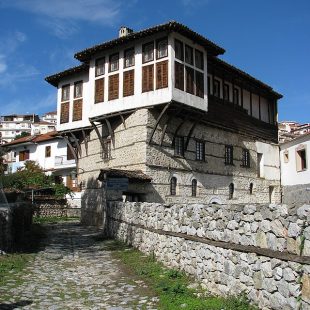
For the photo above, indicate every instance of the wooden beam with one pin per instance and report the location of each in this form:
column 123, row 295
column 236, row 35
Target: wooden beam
column 259, row 108
column 158, row 120
column 85, row 139
column 110, row 131
column 71, row 148
column 251, row 106
column 77, row 144
column 178, row 129
column 98, row 135
column 189, row 135
column 123, row 120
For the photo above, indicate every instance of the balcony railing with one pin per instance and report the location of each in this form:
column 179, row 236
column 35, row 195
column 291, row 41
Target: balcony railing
column 62, row 161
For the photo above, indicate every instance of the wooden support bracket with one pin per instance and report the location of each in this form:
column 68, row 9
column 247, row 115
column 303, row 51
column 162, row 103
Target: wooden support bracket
column 71, row 148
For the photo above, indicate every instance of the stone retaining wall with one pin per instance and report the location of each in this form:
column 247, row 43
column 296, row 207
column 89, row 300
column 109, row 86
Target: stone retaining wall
column 262, row 250
column 15, row 220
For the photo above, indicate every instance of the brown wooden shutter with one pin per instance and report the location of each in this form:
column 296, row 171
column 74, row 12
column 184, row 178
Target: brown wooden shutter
column 129, row 83
column 199, row 84
column 189, row 80
column 147, row 78
column 162, row 74
column 99, row 90
column 179, row 75
column 77, row 110
column 64, row 112
column 113, row 86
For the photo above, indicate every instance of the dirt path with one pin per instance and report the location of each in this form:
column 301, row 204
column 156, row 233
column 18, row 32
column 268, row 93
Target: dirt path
column 75, row 271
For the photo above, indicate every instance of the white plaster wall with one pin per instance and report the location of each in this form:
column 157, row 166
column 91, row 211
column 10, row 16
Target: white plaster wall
column 289, row 173
column 271, row 161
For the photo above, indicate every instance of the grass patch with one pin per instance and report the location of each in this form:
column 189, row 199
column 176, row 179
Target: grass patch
column 54, row 219
column 172, row 286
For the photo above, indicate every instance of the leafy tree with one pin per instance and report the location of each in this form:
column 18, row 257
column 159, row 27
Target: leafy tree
column 2, row 152
column 32, row 176
column 22, row 135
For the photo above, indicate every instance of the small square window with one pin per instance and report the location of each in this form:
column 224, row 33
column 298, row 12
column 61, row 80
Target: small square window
column 100, row 62
column 229, row 155
column 129, row 58
column 162, row 48
column 148, row 52
column 48, row 151
column 78, row 89
column 189, row 55
column 301, row 159
column 246, row 158
column 199, row 59
column 65, row 93
column 200, row 150
column 114, row 59
column 179, row 50
column 286, row 156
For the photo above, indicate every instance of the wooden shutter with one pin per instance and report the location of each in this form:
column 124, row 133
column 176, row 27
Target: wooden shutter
column 199, row 84
column 77, row 110
column 70, row 155
column 147, row 78
column 162, row 74
column 64, row 112
column 99, row 90
column 113, row 86
column 129, row 83
column 179, row 75
column 190, row 80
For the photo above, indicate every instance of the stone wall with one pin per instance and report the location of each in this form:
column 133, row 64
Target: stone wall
column 296, row 194
column 263, row 250
column 15, row 220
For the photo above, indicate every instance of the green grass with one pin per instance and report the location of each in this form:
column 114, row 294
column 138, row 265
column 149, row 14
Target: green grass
column 54, row 219
column 172, row 286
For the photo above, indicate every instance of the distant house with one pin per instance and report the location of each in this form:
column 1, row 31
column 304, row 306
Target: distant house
column 53, row 155
column 42, row 127
column 295, row 170
column 50, row 117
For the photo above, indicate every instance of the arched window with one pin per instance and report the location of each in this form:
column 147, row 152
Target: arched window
column 231, row 190
column 251, row 188
column 173, row 186
column 194, row 188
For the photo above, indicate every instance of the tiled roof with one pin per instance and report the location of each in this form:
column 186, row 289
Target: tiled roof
column 52, row 113
column 34, row 139
column 170, row 26
column 55, row 78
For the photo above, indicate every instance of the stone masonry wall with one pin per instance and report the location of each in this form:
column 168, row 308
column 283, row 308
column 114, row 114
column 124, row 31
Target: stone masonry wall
column 263, row 250
column 212, row 175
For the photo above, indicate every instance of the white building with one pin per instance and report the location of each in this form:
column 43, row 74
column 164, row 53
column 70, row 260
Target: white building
column 50, row 117
column 295, row 172
column 42, row 127
column 51, row 153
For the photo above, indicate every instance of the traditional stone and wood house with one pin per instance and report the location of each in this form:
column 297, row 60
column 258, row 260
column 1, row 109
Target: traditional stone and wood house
column 160, row 109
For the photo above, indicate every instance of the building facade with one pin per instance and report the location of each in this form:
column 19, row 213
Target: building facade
column 50, row 117
column 160, row 103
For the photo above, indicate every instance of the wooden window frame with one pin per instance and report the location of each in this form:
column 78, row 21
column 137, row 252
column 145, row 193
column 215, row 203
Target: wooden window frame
column 63, row 97
column 111, row 95
column 176, row 41
column 97, row 66
column 132, row 49
column 229, row 155
column 64, row 118
column 236, row 97
column 24, row 155
column 75, row 88
column 200, row 150
column 179, row 146
column 199, row 86
column 301, row 160
column 216, row 88
column 161, row 74
column 114, row 61
column 157, row 47
column 97, row 99
column 143, row 52
column 148, row 87
column 179, row 80
column 190, row 90
column 128, row 91
column 189, row 48
column 226, row 94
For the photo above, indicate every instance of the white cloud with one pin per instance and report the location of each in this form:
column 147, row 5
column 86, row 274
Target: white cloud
column 3, row 65
column 11, row 42
column 61, row 16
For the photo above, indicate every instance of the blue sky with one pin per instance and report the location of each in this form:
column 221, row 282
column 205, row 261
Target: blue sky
column 269, row 39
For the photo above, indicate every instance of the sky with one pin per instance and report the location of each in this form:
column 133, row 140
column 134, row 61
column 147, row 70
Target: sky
column 269, row 39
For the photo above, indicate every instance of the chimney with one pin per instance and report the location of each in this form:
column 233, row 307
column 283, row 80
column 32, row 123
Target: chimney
column 124, row 31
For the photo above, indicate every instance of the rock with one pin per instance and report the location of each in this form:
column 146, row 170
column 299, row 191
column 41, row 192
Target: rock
column 293, row 245
column 254, row 227
column 278, row 273
column 249, row 209
column 303, row 211
column 258, row 217
column 266, row 269
column 269, row 285
column 261, row 239
column 272, row 241
column 306, row 248
column 307, row 232
column 258, row 280
column 277, row 301
column 278, row 229
column 232, row 225
column 265, row 226
column 266, row 213
column 283, row 288
column 294, row 230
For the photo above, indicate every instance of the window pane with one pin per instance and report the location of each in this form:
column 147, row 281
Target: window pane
column 189, row 80
column 226, row 92
column 179, row 146
column 129, row 58
column 114, row 62
column 199, row 59
column 100, row 66
column 179, row 51
column 65, row 94
column 236, row 96
column 162, row 48
column 78, row 89
column 194, row 188
column 173, row 186
column 216, row 88
column 148, row 52
column 189, row 55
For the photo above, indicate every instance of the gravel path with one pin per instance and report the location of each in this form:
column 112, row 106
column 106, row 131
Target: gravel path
column 75, row 271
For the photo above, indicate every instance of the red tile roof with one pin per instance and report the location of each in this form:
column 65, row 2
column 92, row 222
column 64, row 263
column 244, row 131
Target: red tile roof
column 34, row 139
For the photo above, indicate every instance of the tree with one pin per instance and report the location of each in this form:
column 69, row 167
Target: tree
column 22, row 135
column 2, row 153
